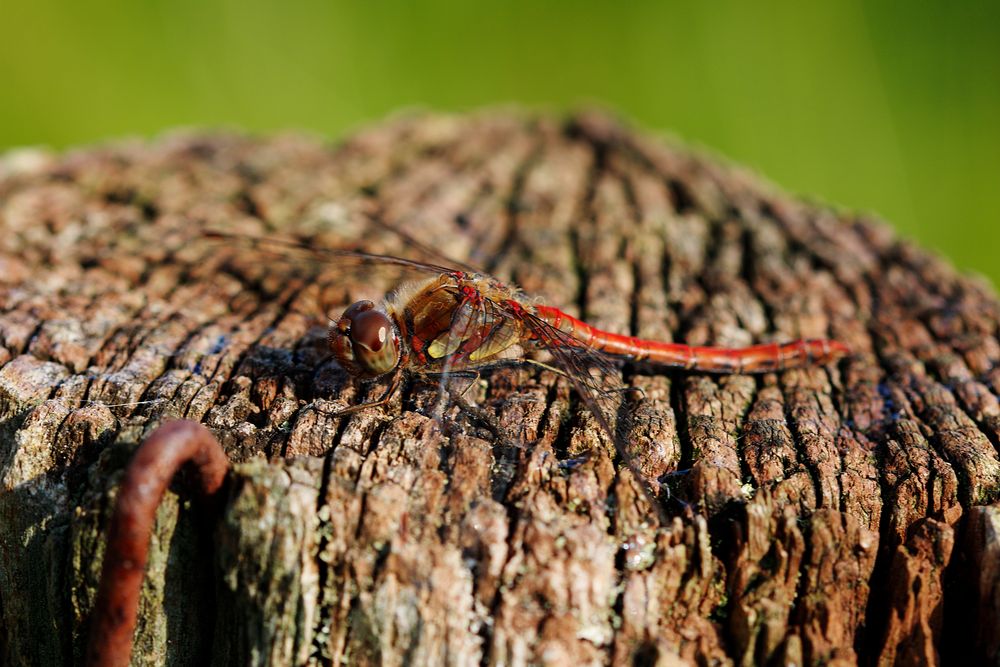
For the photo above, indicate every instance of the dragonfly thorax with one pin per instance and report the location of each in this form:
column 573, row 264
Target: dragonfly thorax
column 365, row 341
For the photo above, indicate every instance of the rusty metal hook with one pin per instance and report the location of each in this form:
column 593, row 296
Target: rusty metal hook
column 147, row 477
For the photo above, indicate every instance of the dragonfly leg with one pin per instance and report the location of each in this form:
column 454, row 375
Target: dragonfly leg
column 445, row 388
column 485, row 417
column 378, row 403
column 457, row 395
column 471, row 375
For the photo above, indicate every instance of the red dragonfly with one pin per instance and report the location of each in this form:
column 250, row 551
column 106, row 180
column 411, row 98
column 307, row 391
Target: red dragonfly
column 458, row 321
column 451, row 321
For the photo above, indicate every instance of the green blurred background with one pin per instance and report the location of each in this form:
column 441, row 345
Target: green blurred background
column 890, row 107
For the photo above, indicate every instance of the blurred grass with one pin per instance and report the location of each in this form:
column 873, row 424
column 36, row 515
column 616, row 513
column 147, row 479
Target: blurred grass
column 890, row 107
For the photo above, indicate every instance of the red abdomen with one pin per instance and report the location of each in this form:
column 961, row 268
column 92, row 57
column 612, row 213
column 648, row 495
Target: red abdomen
column 755, row 359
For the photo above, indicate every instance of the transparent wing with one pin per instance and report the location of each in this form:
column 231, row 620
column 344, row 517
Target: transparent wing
column 333, row 277
column 307, row 251
column 596, row 378
column 470, row 326
column 409, row 241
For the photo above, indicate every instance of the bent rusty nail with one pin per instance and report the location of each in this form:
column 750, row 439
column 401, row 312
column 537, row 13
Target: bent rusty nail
column 146, row 479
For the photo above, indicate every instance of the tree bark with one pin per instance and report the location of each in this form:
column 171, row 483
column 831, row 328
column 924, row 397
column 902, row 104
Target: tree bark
column 827, row 515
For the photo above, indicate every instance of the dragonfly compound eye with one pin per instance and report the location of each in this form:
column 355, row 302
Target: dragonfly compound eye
column 364, row 341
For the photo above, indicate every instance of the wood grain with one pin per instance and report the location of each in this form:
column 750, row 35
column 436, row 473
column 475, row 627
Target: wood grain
column 836, row 515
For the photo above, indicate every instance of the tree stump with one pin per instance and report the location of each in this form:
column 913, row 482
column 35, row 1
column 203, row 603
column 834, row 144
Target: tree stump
column 828, row 515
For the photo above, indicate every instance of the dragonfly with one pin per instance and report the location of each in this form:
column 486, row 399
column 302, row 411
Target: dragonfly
column 454, row 321
column 457, row 321
column 448, row 322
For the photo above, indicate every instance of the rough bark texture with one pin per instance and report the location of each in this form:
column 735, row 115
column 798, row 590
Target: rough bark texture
column 829, row 515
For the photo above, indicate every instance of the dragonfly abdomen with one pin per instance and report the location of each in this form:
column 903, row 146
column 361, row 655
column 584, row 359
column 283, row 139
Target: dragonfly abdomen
column 755, row 359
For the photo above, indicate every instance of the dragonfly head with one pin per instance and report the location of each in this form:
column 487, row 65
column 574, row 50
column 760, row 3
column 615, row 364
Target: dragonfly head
column 365, row 341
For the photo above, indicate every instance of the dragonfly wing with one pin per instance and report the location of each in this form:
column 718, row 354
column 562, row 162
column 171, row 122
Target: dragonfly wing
column 446, row 344
column 596, row 378
column 341, row 275
column 504, row 333
column 469, row 321
column 308, row 249
column 478, row 331
column 462, row 328
column 464, row 322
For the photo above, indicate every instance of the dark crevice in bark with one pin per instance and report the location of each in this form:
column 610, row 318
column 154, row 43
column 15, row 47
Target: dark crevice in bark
column 511, row 238
column 325, row 612
column 636, row 270
column 585, row 216
column 680, row 197
column 32, row 337
column 677, row 404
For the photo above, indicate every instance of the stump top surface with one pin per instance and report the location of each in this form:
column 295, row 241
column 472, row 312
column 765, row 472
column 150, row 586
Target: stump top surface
column 116, row 314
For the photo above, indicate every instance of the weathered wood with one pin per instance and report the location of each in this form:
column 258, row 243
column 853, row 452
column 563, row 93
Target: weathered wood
column 826, row 515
